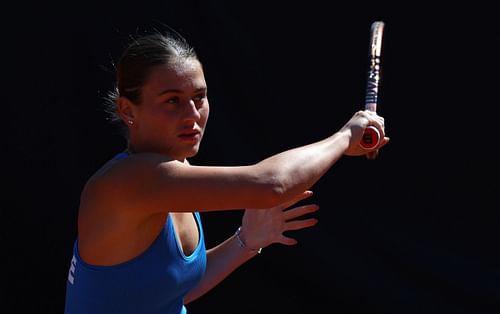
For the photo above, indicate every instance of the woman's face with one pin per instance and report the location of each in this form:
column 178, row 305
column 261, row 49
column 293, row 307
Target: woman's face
column 172, row 116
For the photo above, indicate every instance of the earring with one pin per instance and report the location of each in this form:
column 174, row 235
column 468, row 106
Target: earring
column 130, row 122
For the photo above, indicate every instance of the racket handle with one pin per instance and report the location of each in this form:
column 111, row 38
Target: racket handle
column 371, row 138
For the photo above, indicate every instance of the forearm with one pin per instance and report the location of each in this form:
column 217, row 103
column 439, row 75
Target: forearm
column 222, row 260
column 296, row 170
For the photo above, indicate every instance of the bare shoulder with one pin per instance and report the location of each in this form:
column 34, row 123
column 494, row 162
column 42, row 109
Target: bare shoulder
column 130, row 166
column 122, row 182
column 115, row 208
column 151, row 183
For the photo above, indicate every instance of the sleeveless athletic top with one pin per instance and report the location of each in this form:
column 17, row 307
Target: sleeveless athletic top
column 154, row 282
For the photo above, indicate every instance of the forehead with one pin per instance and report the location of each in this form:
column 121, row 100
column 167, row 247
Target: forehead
column 183, row 75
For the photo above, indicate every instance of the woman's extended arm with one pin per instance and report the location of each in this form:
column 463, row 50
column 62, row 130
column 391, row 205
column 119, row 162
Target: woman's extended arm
column 159, row 184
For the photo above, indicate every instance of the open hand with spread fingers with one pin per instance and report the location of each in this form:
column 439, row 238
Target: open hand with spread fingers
column 262, row 227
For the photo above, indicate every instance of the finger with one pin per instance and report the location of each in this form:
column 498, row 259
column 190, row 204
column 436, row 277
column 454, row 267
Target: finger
column 286, row 240
column 300, row 224
column 300, row 211
column 384, row 142
column 375, row 116
column 378, row 124
column 296, row 199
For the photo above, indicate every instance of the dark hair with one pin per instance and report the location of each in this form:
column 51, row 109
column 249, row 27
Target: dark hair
column 142, row 53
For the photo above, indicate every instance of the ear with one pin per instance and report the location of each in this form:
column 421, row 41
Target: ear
column 126, row 109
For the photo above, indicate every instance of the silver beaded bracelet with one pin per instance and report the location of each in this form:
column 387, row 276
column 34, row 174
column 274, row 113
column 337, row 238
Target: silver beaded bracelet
column 242, row 244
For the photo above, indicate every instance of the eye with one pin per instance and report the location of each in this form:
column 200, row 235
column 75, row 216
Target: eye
column 172, row 100
column 199, row 99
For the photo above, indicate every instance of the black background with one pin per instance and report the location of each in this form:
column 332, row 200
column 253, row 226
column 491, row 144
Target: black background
column 414, row 231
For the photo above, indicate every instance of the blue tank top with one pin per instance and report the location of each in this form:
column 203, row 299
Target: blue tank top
column 154, row 282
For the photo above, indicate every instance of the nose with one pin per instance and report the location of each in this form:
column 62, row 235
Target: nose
column 191, row 112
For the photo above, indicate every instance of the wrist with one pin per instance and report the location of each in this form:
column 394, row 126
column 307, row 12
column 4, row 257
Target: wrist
column 344, row 134
column 342, row 139
column 242, row 243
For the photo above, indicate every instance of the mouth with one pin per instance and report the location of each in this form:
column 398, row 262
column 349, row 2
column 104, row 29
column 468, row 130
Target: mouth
column 190, row 135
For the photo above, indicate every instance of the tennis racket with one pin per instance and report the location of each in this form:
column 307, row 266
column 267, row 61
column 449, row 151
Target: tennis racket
column 371, row 136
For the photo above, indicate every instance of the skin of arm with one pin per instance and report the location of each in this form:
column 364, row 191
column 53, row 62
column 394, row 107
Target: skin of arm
column 160, row 185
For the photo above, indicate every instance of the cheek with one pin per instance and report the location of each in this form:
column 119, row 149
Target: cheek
column 156, row 120
column 204, row 115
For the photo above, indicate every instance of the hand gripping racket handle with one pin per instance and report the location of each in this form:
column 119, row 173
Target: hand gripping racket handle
column 371, row 136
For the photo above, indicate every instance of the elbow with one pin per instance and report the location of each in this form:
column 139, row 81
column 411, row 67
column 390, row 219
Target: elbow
column 278, row 192
column 272, row 188
column 275, row 193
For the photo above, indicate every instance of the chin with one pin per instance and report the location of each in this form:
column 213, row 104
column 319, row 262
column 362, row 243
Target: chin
column 192, row 152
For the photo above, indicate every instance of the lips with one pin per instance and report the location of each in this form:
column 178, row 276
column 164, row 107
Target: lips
column 192, row 134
